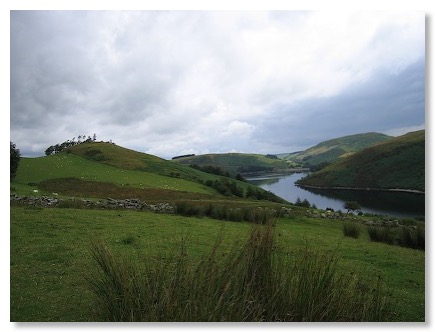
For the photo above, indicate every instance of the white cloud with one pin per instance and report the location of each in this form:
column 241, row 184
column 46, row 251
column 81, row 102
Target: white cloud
column 404, row 130
column 168, row 82
column 238, row 128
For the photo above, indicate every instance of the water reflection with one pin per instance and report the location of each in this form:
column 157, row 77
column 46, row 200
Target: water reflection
column 397, row 204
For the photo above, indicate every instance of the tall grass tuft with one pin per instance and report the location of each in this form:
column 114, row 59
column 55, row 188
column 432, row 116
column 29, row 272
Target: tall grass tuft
column 381, row 234
column 412, row 237
column 258, row 215
column 405, row 236
column 256, row 281
column 351, row 229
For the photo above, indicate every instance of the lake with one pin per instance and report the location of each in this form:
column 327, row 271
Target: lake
column 396, row 204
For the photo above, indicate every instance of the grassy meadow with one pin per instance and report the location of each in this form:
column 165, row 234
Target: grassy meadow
column 51, row 256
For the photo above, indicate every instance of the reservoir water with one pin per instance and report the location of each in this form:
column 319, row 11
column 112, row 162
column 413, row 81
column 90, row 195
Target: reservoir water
column 396, row 204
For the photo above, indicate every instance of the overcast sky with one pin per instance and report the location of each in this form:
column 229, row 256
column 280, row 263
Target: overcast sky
column 177, row 82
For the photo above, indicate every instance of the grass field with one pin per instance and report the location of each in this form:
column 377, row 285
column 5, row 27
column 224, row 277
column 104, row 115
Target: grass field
column 35, row 170
column 136, row 176
column 32, row 171
column 51, row 258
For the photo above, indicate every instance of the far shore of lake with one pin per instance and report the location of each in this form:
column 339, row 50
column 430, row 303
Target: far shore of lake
column 412, row 191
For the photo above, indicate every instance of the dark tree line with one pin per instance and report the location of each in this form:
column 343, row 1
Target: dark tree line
column 15, row 159
column 211, row 169
column 225, row 187
column 217, row 171
column 183, row 156
column 53, row 149
column 230, row 188
column 271, row 156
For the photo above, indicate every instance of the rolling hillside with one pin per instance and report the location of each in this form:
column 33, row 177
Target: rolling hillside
column 97, row 169
column 238, row 162
column 119, row 157
column 398, row 163
column 331, row 150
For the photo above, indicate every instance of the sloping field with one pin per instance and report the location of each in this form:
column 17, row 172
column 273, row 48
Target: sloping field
column 117, row 156
column 69, row 165
column 334, row 149
column 398, row 163
column 97, row 169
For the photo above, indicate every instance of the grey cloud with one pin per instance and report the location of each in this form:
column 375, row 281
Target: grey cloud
column 169, row 82
column 381, row 104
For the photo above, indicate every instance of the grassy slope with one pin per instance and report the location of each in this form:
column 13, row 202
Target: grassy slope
column 235, row 162
column 67, row 165
column 334, row 149
column 123, row 158
column 396, row 163
column 50, row 255
column 99, row 169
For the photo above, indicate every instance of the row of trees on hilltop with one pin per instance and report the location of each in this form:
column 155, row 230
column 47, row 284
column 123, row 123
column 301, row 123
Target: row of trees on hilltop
column 53, row 149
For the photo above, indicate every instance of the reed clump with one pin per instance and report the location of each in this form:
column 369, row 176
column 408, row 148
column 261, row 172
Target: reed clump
column 256, row 281
column 351, row 229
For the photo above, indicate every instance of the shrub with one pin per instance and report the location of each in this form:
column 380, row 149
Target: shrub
column 352, row 206
column 351, row 229
column 304, row 203
column 254, row 282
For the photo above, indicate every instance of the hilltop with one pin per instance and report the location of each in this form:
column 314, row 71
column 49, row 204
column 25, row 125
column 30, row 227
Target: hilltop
column 334, row 149
column 398, row 163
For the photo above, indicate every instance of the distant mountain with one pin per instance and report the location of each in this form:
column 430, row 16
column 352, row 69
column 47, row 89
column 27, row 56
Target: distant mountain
column 398, row 163
column 331, row 150
column 238, row 162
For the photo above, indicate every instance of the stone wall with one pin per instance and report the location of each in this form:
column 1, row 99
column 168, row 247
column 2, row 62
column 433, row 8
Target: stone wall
column 109, row 203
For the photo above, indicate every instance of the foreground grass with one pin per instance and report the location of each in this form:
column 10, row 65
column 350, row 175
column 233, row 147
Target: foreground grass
column 50, row 251
column 255, row 282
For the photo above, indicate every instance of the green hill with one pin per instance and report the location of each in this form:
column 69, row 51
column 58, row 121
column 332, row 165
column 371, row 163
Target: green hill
column 238, row 162
column 103, row 169
column 328, row 151
column 50, row 247
column 123, row 158
column 398, row 163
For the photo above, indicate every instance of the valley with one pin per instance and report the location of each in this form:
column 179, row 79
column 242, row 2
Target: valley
column 141, row 206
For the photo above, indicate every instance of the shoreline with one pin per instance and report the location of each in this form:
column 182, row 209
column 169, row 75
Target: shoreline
column 276, row 172
column 411, row 191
